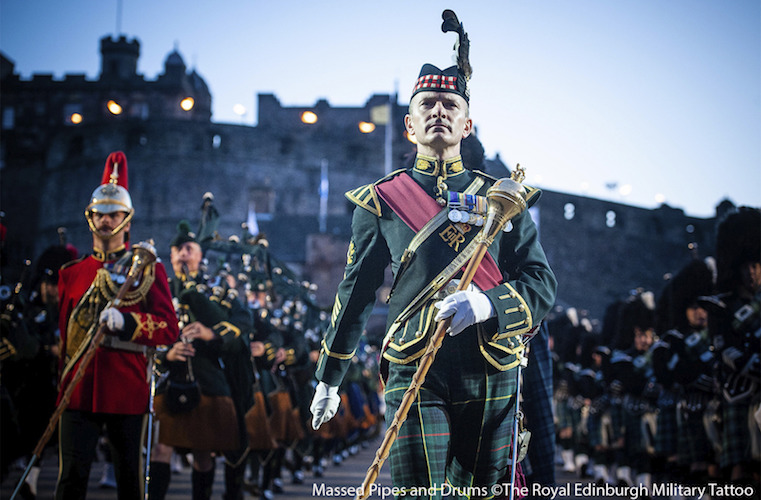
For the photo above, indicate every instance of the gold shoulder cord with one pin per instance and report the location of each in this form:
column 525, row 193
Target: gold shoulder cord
column 108, row 289
column 84, row 317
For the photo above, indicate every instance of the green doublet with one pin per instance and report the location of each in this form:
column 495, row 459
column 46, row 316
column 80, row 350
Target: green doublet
column 231, row 321
column 380, row 237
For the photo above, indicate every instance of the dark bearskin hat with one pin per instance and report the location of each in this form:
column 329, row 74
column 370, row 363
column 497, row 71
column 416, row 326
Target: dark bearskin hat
column 638, row 311
column 696, row 279
column 610, row 323
column 738, row 242
column 50, row 261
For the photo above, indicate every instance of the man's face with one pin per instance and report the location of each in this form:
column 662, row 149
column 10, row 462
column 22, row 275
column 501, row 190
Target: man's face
column 438, row 119
column 643, row 339
column 106, row 223
column 49, row 293
column 697, row 317
column 189, row 254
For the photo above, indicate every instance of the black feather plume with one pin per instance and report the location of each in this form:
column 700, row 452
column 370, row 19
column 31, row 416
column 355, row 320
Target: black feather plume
column 462, row 47
column 450, row 21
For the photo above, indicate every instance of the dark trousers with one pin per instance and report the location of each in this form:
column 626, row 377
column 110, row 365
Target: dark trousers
column 78, row 437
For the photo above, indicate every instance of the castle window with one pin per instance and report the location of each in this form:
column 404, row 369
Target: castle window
column 9, row 118
column 569, row 211
column 139, row 110
column 114, row 107
column 262, row 200
column 610, row 218
column 216, row 141
column 72, row 113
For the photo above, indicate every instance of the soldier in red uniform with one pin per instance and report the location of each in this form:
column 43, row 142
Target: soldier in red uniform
column 114, row 391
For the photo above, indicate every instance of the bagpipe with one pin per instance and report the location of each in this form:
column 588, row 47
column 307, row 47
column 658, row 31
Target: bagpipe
column 14, row 341
column 195, row 301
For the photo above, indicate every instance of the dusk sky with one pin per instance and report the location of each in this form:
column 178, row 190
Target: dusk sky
column 640, row 102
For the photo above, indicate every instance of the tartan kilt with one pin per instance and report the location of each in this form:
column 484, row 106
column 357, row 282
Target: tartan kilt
column 634, row 440
column 698, row 446
column 736, row 439
column 667, row 436
column 462, row 391
column 594, row 430
column 617, row 421
column 564, row 413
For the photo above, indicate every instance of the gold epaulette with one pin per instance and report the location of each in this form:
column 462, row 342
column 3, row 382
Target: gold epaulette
column 484, row 174
column 366, row 197
column 72, row 262
column 533, row 193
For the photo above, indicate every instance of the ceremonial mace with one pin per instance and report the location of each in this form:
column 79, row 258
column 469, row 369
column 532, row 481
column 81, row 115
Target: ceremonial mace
column 506, row 199
column 143, row 254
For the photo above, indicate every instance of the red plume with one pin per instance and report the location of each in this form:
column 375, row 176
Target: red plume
column 116, row 170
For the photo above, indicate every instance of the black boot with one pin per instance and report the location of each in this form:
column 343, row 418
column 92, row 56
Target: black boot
column 161, row 475
column 203, row 483
column 234, row 482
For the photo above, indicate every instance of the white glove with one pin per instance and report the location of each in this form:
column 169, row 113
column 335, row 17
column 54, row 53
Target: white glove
column 113, row 319
column 467, row 308
column 324, row 404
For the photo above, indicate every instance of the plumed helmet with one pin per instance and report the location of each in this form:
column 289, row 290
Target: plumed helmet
column 112, row 194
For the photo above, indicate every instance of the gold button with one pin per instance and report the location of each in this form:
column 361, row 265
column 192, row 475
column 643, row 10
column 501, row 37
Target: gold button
column 521, row 308
column 418, row 334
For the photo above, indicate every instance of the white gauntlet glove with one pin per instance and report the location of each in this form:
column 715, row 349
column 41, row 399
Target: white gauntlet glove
column 113, row 319
column 467, row 308
column 324, row 404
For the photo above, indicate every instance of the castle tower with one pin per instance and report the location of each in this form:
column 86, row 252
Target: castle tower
column 118, row 58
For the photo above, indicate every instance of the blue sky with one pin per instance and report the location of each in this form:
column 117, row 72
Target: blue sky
column 661, row 98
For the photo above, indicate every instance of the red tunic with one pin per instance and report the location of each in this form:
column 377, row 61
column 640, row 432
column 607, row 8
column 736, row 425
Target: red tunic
column 116, row 381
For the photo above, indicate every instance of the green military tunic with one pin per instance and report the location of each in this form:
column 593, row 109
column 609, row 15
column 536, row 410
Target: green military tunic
column 470, row 385
column 222, row 366
column 380, row 237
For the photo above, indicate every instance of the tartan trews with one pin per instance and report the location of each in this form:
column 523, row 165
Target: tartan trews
column 457, row 435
